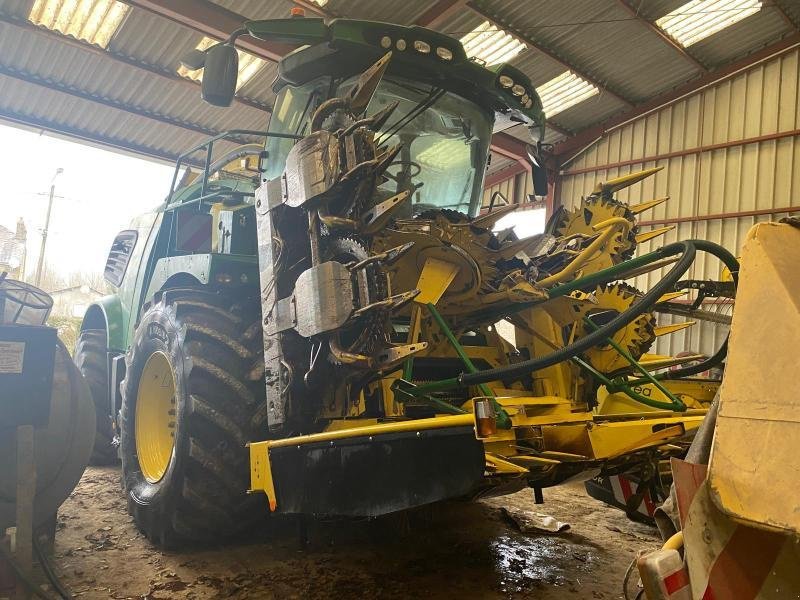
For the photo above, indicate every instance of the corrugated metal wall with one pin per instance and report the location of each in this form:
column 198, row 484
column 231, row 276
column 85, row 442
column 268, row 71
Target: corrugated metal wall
column 516, row 189
column 756, row 176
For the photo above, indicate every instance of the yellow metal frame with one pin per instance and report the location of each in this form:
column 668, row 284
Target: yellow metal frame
column 550, row 421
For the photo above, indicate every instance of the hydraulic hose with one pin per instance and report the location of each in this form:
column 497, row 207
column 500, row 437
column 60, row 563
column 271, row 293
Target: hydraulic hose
column 687, row 250
column 729, row 260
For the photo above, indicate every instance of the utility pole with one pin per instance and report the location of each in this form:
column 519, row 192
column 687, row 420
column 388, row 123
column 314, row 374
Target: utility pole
column 40, row 265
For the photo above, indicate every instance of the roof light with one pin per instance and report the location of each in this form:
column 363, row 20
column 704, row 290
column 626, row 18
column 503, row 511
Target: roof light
column 320, row 2
column 386, row 42
column 698, row 19
column 518, row 90
column 491, row 45
column 249, row 65
column 505, row 81
column 400, row 44
column 564, row 91
column 422, row 47
column 95, row 21
column 444, row 53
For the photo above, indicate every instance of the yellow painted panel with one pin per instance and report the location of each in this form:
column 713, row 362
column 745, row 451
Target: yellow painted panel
column 755, row 442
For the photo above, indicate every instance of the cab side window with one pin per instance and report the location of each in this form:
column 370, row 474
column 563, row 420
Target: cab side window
column 120, row 256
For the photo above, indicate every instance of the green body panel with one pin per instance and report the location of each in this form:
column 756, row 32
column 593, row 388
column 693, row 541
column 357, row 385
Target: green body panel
column 150, row 268
column 204, row 268
column 115, row 319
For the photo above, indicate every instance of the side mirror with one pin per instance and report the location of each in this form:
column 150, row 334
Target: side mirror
column 539, row 180
column 219, row 77
column 539, row 171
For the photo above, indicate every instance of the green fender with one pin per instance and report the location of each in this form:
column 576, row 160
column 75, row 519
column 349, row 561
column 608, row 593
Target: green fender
column 107, row 313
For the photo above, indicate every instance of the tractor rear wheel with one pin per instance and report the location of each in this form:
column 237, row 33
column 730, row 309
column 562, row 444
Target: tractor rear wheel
column 189, row 406
column 91, row 359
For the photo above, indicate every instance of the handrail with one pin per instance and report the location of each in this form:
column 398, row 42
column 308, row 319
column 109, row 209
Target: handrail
column 208, row 144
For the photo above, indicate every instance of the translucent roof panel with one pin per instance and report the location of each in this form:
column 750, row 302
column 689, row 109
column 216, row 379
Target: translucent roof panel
column 95, row 21
column 491, row 45
column 699, row 19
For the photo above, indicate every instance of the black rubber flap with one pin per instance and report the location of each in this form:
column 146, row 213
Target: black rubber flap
column 370, row 477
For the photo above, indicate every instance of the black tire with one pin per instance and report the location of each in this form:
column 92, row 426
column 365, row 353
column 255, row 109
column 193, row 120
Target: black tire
column 91, row 359
column 214, row 347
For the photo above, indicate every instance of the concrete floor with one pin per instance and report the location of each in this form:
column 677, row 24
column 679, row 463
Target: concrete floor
column 457, row 550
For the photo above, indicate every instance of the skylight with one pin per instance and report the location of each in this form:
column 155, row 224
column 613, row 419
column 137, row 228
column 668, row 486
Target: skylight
column 564, row 91
column 698, row 19
column 491, row 45
column 249, row 65
column 95, row 21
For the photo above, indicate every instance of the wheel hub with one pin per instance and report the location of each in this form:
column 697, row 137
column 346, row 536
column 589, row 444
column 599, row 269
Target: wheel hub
column 155, row 417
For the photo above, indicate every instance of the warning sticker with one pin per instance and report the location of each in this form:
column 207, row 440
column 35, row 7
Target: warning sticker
column 11, row 355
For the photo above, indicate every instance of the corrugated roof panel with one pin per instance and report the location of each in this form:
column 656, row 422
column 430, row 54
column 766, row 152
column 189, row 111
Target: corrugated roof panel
column 166, row 42
column 460, row 23
column 564, row 91
column 738, row 40
column 97, row 74
column 741, row 39
column 698, row 19
column 258, row 9
column 17, row 8
column 153, row 40
column 601, row 40
column 491, row 45
column 537, row 67
column 595, row 109
column 95, row 21
column 401, row 13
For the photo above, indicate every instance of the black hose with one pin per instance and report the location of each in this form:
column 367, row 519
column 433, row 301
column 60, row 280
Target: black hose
column 686, row 249
column 49, row 570
column 22, row 576
column 729, row 260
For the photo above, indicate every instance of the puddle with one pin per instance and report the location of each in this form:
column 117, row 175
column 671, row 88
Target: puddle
column 525, row 562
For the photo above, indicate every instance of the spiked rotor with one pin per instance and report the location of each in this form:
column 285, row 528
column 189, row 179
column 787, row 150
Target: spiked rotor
column 636, row 337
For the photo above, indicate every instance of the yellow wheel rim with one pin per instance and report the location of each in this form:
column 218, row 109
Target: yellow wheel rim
column 155, row 417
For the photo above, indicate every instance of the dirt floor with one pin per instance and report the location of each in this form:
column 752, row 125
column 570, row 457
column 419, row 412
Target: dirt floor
column 457, row 550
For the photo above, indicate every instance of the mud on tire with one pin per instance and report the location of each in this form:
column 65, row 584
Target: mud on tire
column 213, row 345
column 91, row 359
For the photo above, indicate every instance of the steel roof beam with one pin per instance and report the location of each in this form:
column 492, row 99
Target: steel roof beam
column 785, row 16
column 441, row 11
column 634, row 12
column 120, row 58
column 496, row 21
column 214, row 21
column 510, row 147
column 567, row 148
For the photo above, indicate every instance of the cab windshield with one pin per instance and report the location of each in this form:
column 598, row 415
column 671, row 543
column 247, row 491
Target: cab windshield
column 444, row 139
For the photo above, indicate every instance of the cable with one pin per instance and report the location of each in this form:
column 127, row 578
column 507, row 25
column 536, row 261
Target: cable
column 626, row 579
column 49, row 571
column 23, row 577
